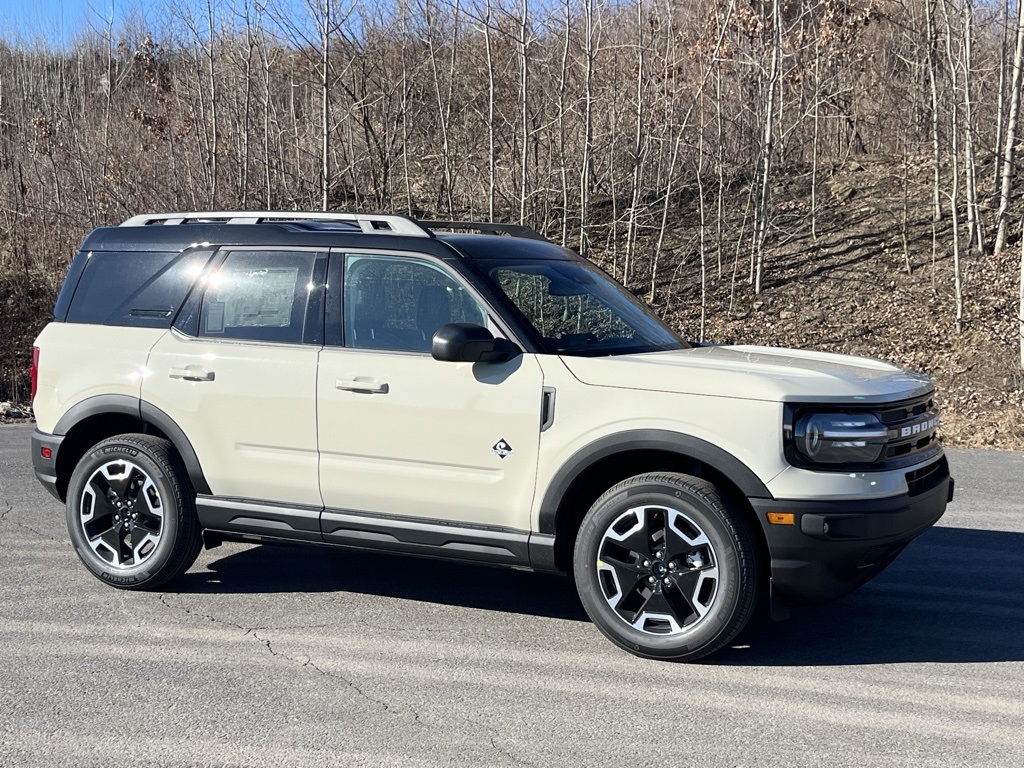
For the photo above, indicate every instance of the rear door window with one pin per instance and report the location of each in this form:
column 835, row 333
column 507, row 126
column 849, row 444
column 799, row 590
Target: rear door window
column 260, row 296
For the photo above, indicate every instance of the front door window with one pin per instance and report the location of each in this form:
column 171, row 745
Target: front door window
column 399, row 303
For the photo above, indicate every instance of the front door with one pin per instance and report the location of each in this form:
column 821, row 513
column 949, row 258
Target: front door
column 408, row 437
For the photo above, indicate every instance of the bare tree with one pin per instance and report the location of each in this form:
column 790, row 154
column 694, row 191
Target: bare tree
column 954, row 193
column 929, row 11
column 767, row 144
column 1006, row 187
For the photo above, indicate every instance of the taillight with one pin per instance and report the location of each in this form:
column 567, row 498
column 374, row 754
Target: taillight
column 34, row 371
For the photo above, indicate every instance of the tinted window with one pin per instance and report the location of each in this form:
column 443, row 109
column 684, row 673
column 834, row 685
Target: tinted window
column 67, row 290
column 259, row 295
column 399, row 303
column 134, row 289
column 578, row 310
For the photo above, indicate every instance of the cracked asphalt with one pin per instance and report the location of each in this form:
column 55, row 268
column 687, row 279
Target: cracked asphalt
column 291, row 656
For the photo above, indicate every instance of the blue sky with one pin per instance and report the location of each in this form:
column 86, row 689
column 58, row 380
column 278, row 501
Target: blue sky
column 58, row 20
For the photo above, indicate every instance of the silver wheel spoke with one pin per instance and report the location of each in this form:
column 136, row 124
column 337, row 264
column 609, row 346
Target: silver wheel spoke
column 658, row 570
column 121, row 514
column 109, row 545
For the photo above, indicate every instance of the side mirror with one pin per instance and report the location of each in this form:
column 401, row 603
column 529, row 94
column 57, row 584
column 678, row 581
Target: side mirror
column 469, row 343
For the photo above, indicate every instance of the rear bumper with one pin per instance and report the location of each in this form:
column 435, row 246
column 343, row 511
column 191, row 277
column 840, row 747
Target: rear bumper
column 46, row 468
column 835, row 546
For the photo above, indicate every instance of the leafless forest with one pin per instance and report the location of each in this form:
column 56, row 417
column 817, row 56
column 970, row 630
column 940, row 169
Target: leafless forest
column 829, row 173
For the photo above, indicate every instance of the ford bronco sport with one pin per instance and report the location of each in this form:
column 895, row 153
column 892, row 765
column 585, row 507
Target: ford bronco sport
column 467, row 391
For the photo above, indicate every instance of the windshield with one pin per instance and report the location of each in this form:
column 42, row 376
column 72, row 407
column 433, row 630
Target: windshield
column 578, row 310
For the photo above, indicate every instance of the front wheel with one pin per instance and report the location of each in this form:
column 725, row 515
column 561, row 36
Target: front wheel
column 131, row 512
column 664, row 568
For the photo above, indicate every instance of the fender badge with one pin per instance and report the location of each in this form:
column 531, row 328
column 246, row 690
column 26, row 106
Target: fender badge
column 501, row 449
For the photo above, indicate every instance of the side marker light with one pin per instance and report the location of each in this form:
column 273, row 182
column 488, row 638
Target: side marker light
column 782, row 518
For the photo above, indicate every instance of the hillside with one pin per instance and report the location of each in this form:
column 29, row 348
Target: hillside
column 847, row 291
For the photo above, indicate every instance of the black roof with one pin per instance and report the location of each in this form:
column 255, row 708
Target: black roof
column 164, row 238
column 484, row 247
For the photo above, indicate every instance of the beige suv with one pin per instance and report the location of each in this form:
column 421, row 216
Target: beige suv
column 466, row 391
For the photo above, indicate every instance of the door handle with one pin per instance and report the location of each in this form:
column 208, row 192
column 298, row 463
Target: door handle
column 362, row 384
column 192, row 373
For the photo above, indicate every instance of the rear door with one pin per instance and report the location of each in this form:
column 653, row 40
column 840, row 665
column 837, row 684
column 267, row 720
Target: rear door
column 408, row 437
column 238, row 375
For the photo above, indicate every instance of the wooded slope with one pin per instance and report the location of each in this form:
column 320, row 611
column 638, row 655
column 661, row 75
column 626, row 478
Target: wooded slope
column 826, row 173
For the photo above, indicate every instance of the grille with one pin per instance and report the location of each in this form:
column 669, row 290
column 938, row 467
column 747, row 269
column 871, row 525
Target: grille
column 912, row 427
column 920, row 480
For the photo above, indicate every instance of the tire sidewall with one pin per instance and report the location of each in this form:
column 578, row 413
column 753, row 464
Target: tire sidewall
column 137, row 576
column 727, row 599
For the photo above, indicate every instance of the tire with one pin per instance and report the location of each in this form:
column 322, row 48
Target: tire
column 131, row 512
column 664, row 568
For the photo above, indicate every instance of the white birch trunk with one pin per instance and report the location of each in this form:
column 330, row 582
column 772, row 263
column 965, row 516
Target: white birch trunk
column 1006, row 188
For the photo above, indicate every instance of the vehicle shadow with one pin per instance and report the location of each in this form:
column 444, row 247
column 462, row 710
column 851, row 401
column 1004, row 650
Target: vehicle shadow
column 293, row 568
column 954, row 595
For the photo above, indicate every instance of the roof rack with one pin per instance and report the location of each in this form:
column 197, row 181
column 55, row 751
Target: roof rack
column 487, row 228
column 369, row 223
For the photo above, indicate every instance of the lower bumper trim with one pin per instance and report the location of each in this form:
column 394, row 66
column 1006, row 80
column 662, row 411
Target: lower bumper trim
column 835, row 546
column 46, row 468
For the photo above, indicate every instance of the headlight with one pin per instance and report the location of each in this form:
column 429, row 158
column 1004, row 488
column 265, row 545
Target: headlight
column 840, row 438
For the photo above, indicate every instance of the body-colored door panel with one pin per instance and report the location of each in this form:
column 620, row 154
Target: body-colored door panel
column 445, row 441
column 248, row 409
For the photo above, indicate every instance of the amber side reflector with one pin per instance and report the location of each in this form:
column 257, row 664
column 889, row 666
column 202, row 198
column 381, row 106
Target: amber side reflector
column 782, row 518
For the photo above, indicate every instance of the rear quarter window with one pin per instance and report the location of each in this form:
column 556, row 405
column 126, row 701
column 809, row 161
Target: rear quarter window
column 134, row 289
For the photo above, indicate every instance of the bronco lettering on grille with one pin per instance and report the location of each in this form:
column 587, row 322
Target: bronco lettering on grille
column 920, row 428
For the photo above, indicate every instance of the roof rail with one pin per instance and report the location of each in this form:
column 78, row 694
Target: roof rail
column 369, row 223
column 487, row 228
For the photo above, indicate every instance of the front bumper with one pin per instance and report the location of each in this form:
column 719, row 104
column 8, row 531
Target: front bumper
column 835, row 546
column 46, row 468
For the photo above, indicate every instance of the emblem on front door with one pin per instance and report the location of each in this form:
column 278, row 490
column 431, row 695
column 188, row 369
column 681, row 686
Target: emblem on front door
column 501, row 449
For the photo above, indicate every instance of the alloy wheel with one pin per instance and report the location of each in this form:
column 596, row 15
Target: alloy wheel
column 658, row 570
column 121, row 514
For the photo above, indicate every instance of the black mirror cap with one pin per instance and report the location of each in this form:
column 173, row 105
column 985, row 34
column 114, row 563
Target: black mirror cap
column 470, row 343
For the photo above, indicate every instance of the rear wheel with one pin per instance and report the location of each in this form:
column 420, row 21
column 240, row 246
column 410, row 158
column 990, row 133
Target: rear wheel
column 131, row 512
column 664, row 568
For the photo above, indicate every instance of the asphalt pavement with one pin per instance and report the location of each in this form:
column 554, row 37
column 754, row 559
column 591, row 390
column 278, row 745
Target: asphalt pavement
column 289, row 656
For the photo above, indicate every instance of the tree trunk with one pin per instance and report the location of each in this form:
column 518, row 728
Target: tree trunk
column 215, row 148
column 1006, row 187
column 325, row 111
column 936, row 154
column 1020, row 297
column 586, row 169
column 524, row 107
column 767, row 147
column 638, row 147
column 1000, row 105
column 954, row 194
column 975, row 225
column 492, row 156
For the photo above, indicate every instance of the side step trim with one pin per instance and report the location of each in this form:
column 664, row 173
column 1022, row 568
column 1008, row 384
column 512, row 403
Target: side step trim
column 451, row 541
column 226, row 519
column 232, row 515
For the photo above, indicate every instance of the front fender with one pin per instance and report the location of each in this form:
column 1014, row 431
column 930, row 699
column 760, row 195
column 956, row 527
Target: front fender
column 682, row 445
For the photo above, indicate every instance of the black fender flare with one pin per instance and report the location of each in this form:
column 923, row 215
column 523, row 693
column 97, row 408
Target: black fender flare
column 135, row 407
column 97, row 405
column 684, row 446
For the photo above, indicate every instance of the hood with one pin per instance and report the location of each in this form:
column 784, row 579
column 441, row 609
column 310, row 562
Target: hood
column 754, row 373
